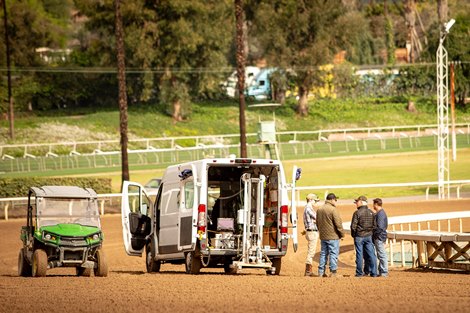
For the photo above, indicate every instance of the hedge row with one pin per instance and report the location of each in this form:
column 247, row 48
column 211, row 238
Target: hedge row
column 19, row 187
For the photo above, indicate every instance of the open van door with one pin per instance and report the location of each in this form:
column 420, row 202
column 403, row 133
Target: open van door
column 136, row 222
column 295, row 176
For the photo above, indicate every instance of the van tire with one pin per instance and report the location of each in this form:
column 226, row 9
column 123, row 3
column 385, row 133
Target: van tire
column 153, row 266
column 193, row 262
column 24, row 268
column 277, row 262
column 39, row 263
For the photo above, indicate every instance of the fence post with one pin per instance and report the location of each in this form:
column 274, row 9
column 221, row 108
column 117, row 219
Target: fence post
column 102, row 207
column 6, row 211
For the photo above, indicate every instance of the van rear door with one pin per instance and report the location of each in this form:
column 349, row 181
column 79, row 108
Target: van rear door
column 295, row 176
column 135, row 213
column 188, row 207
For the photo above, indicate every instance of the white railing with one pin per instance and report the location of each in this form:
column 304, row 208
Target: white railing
column 148, row 144
column 457, row 183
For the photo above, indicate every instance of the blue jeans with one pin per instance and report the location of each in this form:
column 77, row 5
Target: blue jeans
column 365, row 250
column 329, row 249
column 382, row 256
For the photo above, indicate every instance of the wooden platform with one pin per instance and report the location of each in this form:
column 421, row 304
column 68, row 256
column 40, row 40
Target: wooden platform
column 438, row 249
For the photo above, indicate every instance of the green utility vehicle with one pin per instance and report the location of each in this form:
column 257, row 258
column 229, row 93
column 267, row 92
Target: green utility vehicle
column 63, row 230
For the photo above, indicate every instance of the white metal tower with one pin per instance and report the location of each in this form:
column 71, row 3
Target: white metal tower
column 443, row 173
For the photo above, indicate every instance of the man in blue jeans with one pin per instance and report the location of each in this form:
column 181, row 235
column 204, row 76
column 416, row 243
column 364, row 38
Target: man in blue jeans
column 362, row 226
column 379, row 236
column 330, row 228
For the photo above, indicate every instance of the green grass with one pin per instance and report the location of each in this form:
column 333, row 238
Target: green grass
column 378, row 169
column 352, row 170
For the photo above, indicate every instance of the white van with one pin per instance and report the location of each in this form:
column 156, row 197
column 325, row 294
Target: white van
column 230, row 213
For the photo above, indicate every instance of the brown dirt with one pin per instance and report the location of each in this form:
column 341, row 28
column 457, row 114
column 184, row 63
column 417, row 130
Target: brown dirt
column 129, row 288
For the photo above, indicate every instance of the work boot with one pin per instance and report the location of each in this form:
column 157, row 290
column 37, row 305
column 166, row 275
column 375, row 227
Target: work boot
column 308, row 270
column 333, row 274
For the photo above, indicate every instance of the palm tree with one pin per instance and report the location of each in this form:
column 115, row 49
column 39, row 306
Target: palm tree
column 11, row 114
column 122, row 90
column 241, row 75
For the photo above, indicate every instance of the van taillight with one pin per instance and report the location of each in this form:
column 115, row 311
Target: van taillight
column 201, row 218
column 284, row 213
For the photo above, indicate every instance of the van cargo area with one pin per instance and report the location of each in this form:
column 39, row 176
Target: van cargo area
column 243, row 215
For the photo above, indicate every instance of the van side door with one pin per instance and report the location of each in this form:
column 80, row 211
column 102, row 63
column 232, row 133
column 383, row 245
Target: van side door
column 169, row 217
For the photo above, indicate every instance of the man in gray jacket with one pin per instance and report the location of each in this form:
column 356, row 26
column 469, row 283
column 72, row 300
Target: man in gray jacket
column 330, row 227
column 362, row 226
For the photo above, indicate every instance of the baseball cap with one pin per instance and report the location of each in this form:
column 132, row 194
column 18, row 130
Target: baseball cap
column 331, row 196
column 312, row 196
column 361, row 198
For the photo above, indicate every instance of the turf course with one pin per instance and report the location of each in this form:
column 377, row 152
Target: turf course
column 349, row 170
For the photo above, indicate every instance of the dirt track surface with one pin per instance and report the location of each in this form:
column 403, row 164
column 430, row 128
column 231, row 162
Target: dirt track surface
column 128, row 288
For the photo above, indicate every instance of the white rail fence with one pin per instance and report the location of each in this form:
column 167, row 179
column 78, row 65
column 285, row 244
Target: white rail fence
column 101, row 147
column 457, row 184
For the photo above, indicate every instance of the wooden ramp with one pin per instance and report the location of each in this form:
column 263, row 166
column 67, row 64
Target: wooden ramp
column 437, row 249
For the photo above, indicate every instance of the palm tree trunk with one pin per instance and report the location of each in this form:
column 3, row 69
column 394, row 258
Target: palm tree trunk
column 241, row 75
column 11, row 112
column 122, row 91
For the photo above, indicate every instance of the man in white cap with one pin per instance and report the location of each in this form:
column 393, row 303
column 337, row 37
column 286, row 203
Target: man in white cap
column 311, row 231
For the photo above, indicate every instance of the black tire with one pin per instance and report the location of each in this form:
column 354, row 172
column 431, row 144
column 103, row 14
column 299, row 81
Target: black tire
column 101, row 268
column 24, row 268
column 39, row 267
column 193, row 262
column 83, row 271
column 153, row 266
column 277, row 265
column 230, row 270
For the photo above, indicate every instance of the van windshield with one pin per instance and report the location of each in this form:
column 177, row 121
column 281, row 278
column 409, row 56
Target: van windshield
column 53, row 211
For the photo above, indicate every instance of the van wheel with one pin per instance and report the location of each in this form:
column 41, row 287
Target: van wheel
column 276, row 264
column 39, row 263
column 153, row 266
column 101, row 269
column 83, row 271
column 24, row 268
column 193, row 262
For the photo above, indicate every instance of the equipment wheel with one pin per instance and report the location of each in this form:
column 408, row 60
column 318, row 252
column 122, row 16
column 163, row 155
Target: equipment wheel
column 83, row 271
column 39, row 263
column 277, row 265
column 153, row 266
column 24, row 268
column 193, row 262
column 101, row 267
column 230, row 270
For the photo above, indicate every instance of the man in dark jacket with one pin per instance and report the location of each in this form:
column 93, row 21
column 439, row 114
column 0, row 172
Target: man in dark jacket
column 362, row 226
column 330, row 228
column 380, row 236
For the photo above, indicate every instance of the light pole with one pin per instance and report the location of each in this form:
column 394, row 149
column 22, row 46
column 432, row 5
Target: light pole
column 443, row 173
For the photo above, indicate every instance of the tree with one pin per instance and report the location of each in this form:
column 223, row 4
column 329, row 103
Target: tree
column 122, row 90
column 298, row 35
column 241, row 74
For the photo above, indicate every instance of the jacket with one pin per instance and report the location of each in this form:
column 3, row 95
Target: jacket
column 363, row 222
column 329, row 223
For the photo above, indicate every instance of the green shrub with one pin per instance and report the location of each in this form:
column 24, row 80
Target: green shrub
column 19, row 187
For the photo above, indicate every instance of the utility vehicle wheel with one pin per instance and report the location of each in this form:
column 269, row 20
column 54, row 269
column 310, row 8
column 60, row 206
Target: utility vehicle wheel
column 153, row 266
column 101, row 268
column 277, row 264
column 39, row 263
column 24, row 268
column 193, row 263
column 83, row 271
